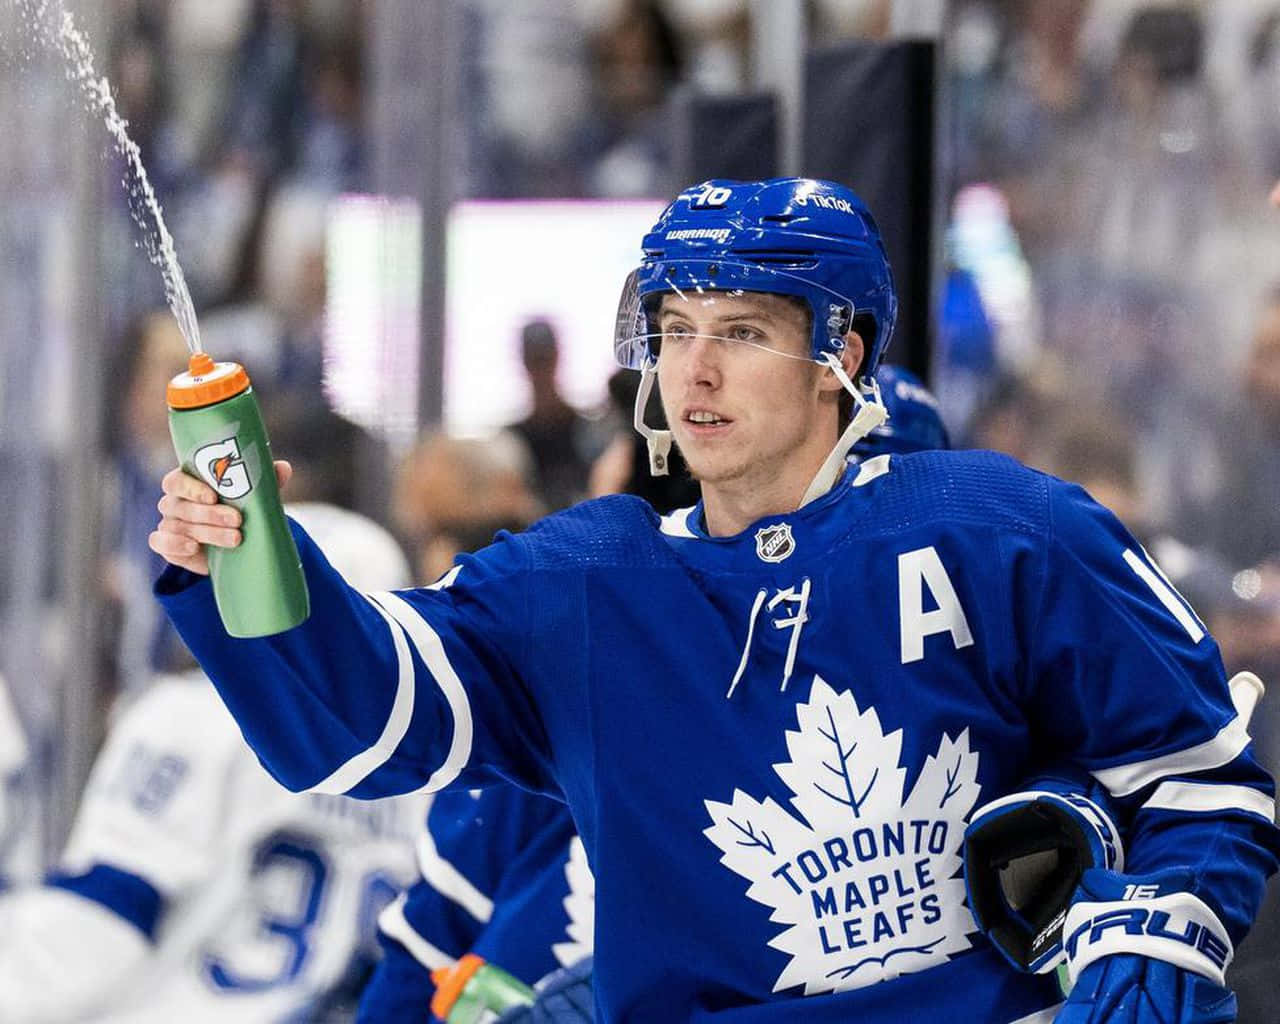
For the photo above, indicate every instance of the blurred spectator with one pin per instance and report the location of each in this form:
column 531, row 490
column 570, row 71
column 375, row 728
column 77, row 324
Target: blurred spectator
column 140, row 452
column 531, row 118
column 202, row 39
column 560, row 439
column 1097, row 452
column 1034, row 106
column 324, row 449
column 452, row 495
column 1155, row 205
column 276, row 330
column 1240, row 516
column 716, row 36
column 331, row 150
column 1047, row 90
column 637, row 60
column 260, row 123
column 623, row 467
column 1019, row 412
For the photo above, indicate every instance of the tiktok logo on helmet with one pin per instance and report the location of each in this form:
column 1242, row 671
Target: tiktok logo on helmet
column 220, row 466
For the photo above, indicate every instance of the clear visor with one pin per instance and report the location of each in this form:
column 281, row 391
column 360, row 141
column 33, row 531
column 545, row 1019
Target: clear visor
column 734, row 303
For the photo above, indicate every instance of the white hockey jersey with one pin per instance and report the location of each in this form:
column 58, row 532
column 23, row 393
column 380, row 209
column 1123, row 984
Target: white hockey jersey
column 195, row 888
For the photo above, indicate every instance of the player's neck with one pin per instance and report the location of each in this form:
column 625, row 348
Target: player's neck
column 730, row 506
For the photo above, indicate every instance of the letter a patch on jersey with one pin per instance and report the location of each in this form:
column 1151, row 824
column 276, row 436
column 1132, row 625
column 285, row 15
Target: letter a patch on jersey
column 918, row 570
column 862, row 877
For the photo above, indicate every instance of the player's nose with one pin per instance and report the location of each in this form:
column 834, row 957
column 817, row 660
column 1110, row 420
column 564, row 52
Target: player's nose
column 703, row 363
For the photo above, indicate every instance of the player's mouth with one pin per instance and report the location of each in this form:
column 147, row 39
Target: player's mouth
column 705, row 423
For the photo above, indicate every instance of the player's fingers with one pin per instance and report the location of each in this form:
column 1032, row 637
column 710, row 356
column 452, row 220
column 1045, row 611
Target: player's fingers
column 219, row 536
column 217, row 525
column 187, row 511
column 183, row 485
column 179, row 550
column 284, row 473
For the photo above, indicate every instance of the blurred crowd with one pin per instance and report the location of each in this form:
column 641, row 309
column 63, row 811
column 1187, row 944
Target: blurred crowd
column 1112, row 313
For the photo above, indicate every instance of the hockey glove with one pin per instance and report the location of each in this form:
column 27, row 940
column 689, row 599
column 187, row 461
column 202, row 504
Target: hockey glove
column 565, row 996
column 1125, row 988
column 1024, row 855
column 1142, row 950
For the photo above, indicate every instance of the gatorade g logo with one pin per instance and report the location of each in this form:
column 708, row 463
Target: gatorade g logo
column 220, row 466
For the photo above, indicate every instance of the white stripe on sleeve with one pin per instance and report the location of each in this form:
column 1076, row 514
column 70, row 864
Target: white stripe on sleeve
column 393, row 923
column 1124, row 779
column 365, row 763
column 430, row 649
column 1207, row 796
column 1165, row 594
column 449, row 881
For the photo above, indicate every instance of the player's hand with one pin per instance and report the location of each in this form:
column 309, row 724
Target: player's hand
column 1029, row 851
column 565, row 996
column 1143, row 949
column 191, row 517
column 1129, row 989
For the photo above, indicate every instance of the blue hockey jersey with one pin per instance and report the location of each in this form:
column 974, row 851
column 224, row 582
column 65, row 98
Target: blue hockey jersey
column 505, row 876
column 771, row 741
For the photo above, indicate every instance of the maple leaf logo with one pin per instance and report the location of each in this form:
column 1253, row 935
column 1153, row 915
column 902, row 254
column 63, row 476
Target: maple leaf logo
column 579, row 905
column 862, row 878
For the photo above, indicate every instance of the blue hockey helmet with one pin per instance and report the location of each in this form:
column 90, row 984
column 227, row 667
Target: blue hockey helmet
column 914, row 424
column 814, row 240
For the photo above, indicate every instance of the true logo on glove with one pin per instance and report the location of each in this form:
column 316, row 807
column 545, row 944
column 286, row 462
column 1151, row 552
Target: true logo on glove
column 1153, row 923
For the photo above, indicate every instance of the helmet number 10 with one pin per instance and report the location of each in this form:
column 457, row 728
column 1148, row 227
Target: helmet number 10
column 711, row 196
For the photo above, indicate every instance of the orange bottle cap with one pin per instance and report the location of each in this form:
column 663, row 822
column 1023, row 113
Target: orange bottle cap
column 205, row 382
column 450, row 981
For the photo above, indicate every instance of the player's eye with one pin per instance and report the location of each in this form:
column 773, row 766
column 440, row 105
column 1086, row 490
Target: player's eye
column 741, row 332
column 677, row 332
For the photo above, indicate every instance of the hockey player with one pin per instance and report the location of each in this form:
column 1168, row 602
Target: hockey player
column 194, row 887
column 772, row 714
column 504, row 878
column 508, row 846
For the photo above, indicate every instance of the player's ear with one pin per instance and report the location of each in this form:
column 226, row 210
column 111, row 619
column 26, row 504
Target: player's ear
column 850, row 359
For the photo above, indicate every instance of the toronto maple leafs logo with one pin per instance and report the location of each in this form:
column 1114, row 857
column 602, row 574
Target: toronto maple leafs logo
column 861, row 877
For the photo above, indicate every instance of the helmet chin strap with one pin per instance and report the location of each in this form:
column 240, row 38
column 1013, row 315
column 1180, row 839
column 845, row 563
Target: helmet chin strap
column 658, row 441
column 871, row 414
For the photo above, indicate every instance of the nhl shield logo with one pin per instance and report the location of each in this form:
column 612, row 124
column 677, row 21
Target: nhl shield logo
column 774, row 543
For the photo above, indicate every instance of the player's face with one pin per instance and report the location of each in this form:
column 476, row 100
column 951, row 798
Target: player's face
column 739, row 409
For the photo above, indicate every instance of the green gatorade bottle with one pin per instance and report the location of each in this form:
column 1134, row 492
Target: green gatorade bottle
column 219, row 436
column 475, row 992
